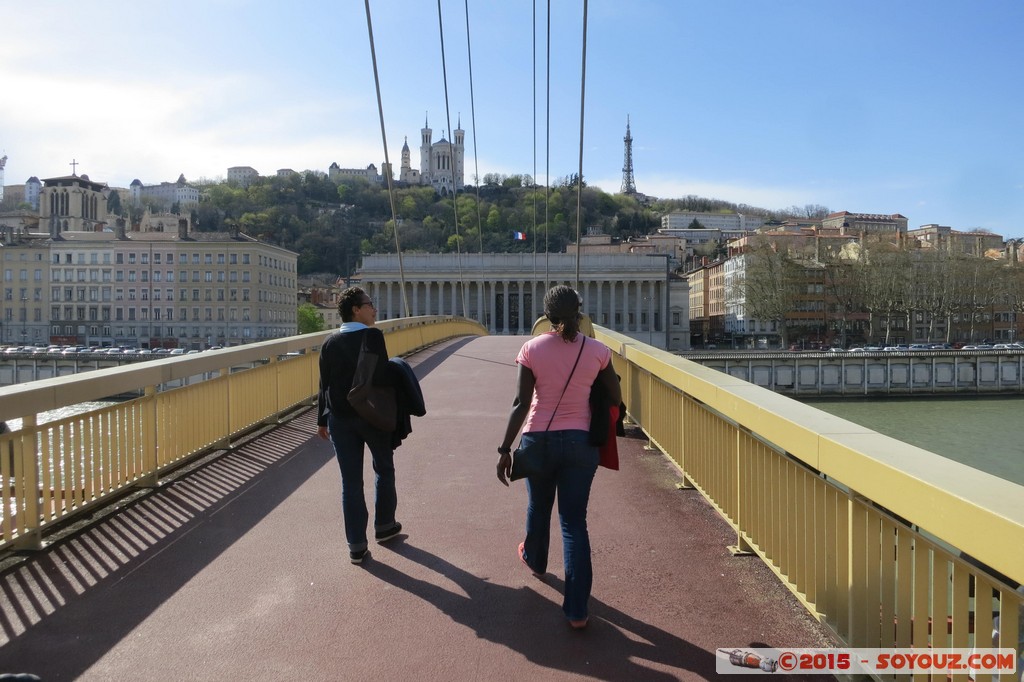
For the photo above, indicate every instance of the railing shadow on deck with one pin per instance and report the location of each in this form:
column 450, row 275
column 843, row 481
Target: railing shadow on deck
column 76, row 573
column 54, row 472
column 179, row 522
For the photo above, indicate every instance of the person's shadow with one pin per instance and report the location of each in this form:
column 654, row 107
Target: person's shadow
column 613, row 647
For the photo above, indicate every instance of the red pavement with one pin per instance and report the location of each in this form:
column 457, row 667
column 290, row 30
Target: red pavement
column 239, row 570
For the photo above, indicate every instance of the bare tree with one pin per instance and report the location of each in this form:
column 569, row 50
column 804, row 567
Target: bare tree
column 934, row 292
column 844, row 274
column 887, row 283
column 770, row 284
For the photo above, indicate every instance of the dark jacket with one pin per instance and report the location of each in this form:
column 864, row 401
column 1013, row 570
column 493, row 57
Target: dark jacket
column 338, row 358
column 410, row 399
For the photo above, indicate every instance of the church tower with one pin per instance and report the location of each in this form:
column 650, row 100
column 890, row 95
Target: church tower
column 425, row 135
column 460, row 155
column 406, row 157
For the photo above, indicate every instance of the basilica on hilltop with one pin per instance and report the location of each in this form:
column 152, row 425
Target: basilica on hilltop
column 442, row 163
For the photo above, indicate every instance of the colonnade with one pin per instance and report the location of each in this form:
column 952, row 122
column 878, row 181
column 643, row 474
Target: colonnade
column 511, row 305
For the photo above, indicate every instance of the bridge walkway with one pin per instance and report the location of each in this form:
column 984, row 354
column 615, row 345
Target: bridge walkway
column 238, row 570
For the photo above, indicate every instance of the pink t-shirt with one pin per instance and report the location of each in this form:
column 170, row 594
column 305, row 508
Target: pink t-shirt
column 551, row 359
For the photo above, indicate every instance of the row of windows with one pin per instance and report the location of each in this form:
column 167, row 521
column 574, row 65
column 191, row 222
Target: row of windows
column 106, row 314
column 107, row 294
column 83, row 275
column 178, row 332
column 37, row 275
column 143, row 258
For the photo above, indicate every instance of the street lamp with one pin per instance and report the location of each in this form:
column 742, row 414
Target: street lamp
column 668, row 292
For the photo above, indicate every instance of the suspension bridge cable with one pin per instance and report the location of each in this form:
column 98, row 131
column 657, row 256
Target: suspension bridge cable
column 476, row 172
column 547, row 158
column 579, row 177
column 533, row 286
column 387, row 162
column 451, row 160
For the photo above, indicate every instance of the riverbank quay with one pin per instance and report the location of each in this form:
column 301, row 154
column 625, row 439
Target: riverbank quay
column 896, row 373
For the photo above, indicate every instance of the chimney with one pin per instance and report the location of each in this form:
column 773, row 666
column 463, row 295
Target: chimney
column 182, row 228
column 119, row 229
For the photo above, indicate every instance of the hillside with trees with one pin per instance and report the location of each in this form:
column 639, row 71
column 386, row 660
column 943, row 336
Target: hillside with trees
column 332, row 225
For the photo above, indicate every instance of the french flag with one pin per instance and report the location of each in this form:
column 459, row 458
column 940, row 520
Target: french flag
column 519, row 236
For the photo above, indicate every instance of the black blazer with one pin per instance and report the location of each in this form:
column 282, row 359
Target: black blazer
column 338, row 357
column 410, row 399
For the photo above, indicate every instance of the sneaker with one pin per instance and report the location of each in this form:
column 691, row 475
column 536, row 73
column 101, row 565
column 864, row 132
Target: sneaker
column 579, row 624
column 357, row 557
column 522, row 557
column 385, row 535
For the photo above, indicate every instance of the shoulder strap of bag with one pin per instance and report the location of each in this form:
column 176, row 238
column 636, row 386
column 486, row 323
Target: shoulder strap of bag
column 566, row 383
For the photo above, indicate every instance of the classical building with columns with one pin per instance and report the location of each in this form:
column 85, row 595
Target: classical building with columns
column 627, row 293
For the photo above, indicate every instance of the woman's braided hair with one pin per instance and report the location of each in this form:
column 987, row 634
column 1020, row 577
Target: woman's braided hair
column 562, row 308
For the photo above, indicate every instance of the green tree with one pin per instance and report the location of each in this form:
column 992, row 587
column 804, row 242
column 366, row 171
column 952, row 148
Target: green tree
column 114, row 204
column 310, row 319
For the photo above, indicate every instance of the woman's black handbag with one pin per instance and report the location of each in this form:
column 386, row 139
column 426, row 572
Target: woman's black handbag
column 376, row 404
column 528, row 461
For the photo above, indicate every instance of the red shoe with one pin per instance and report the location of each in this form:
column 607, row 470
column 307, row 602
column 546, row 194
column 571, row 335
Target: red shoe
column 522, row 551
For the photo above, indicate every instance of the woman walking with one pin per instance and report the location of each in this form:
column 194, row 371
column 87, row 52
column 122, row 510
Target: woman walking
column 556, row 372
column 348, row 432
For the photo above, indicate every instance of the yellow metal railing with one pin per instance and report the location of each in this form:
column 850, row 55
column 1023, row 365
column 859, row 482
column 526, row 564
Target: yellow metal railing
column 886, row 544
column 188, row 405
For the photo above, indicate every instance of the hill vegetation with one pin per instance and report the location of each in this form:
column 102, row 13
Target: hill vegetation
column 332, row 225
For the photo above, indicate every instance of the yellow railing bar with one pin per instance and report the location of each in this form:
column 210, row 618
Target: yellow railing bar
column 886, row 543
column 51, row 472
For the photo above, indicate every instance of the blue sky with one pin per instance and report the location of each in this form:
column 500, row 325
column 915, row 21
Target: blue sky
column 911, row 107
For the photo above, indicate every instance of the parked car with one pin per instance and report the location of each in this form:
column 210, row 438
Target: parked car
column 178, row 351
column 919, row 346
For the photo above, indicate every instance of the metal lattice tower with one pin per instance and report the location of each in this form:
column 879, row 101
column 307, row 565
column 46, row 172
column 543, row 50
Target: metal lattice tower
column 628, row 186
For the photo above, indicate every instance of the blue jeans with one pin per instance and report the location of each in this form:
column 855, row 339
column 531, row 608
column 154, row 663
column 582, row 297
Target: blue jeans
column 349, row 434
column 572, row 463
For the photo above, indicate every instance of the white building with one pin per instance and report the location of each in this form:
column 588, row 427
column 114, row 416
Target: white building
column 726, row 222
column 242, row 175
column 442, row 163
column 505, row 291
column 370, row 174
column 747, row 331
column 167, row 194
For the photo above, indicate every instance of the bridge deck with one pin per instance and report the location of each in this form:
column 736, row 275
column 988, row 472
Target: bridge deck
column 239, row 570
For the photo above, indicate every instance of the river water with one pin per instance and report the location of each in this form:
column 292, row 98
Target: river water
column 979, row 431
column 68, row 411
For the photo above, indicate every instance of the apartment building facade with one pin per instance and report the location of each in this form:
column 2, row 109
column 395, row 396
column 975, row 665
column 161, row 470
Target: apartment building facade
column 146, row 289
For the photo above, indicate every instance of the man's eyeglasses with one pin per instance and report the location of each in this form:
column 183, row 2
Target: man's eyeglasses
column 368, row 302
